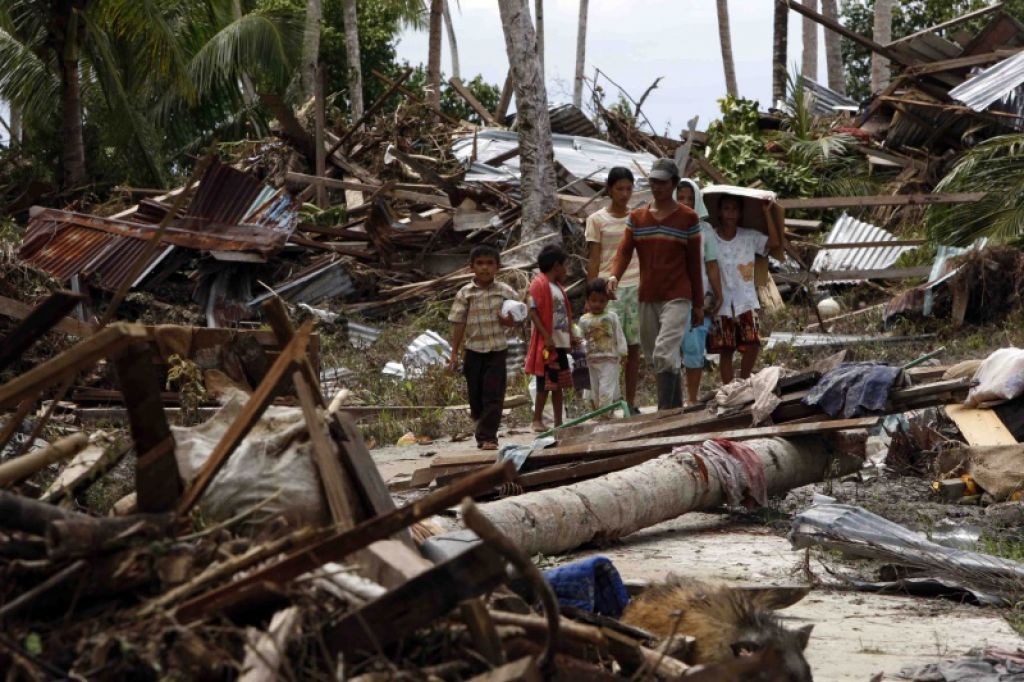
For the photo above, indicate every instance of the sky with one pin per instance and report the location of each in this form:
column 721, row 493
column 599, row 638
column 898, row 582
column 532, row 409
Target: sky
column 634, row 42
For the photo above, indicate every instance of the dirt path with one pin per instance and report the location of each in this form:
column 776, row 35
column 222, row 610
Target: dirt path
column 856, row 635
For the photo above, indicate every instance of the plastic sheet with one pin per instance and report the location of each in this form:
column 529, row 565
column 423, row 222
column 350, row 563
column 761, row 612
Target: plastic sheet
column 857, row 531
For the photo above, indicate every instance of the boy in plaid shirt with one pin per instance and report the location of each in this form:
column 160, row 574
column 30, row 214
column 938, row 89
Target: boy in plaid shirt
column 477, row 319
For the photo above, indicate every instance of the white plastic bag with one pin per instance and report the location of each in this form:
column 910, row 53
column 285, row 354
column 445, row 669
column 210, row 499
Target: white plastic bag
column 1000, row 377
column 275, row 456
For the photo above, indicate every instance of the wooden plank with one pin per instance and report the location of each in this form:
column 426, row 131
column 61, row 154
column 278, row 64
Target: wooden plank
column 157, row 482
column 961, row 62
column 852, row 275
column 35, row 323
column 376, row 499
column 520, row 670
column 472, row 101
column 883, row 200
column 503, row 157
column 339, row 545
column 836, row 27
column 371, row 110
column 418, row 602
column 248, row 417
column 338, row 487
column 980, row 427
column 956, row 21
column 334, row 183
column 598, row 450
column 85, row 353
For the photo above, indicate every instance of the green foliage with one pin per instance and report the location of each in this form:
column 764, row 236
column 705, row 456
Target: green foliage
column 908, row 16
column 803, row 159
column 995, row 166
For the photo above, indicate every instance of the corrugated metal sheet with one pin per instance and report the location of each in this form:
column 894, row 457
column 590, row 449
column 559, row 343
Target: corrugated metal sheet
column 1000, row 84
column 64, row 249
column 582, row 156
column 231, row 211
column 826, row 101
column 925, row 48
column 568, row 120
column 319, row 281
column 849, row 230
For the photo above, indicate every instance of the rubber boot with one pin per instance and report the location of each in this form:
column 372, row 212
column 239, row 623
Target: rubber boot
column 677, row 392
column 666, row 383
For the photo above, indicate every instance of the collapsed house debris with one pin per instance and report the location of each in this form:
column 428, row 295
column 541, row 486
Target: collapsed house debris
column 260, row 536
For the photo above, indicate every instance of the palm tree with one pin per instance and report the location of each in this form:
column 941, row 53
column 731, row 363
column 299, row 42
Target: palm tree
column 780, row 45
column 581, row 51
column 809, row 67
column 538, row 13
column 725, row 40
column 51, row 50
column 536, row 155
column 355, row 70
column 882, row 33
column 833, row 49
column 434, row 54
column 453, row 45
column 310, row 46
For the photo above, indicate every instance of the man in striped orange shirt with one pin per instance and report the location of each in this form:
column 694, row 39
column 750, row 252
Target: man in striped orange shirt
column 667, row 241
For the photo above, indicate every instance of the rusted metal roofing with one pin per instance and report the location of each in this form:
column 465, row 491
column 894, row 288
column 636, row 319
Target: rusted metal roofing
column 849, row 230
column 230, row 212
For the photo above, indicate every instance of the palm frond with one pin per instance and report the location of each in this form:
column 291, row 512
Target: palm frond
column 25, row 79
column 103, row 63
column 151, row 27
column 259, row 41
column 996, row 167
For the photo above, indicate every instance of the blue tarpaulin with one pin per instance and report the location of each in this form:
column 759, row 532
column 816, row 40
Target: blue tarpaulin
column 593, row 585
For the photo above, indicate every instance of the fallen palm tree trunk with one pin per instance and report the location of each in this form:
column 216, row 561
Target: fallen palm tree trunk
column 561, row 519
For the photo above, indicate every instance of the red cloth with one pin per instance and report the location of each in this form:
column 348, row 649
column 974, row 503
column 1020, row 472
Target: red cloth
column 540, row 293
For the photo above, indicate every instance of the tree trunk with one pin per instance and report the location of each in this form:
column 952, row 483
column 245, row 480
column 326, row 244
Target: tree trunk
column 538, row 10
column 15, row 131
column 581, row 53
column 882, row 34
column 725, row 40
column 536, row 156
column 434, row 54
column 834, row 49
column 67, row 31
column 355, row 69
column 452, row 43
column 809, row 64
column 780, row 46
column 310, row 47
column 561, row 519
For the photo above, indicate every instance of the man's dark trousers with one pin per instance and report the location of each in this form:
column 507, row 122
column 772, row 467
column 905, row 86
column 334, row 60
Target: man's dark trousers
column 486, row 377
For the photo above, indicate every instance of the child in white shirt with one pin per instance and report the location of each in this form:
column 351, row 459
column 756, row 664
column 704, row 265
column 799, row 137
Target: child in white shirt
column 606, row 344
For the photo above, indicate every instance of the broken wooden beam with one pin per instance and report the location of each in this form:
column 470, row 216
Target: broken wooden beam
column 248, row 417
column 338, row 546
column 99, row 345
column 337, row 487
column 600, row 449
column 836, row 27
column 19, row 468
column 883, row 200
column 35, row 324
column 472, row 101
column 418, row 602
column 157, row 481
